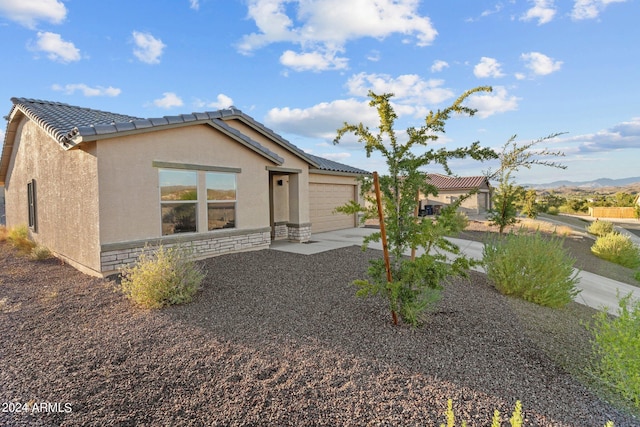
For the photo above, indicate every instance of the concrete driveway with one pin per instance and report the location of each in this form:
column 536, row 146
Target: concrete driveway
column 597, row 291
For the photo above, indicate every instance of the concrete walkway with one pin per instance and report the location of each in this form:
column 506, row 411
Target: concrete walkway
column 597, row 291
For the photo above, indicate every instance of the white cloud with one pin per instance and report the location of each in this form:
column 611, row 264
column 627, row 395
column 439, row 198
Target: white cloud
column 625, row 135
column 86, row 90
column 413, row 96
column 222, row 101
column 56, row 48
column 322, row 28
column 407, row 88
column 542, row 10
column 374, row 56
column 488, row 67
column 540, row 64
column 168, row 100
column 488, row 104
column 313, row 61
column 487, row 12
column 29, row 12
column 148, row 48
column 590, row 9
column 194, row 4
column 439, row 65
column 321, row 120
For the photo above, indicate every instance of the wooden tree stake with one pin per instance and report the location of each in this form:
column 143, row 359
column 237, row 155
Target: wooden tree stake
column 383, row 235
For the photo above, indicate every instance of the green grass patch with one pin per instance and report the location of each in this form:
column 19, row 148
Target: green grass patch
column 532, row 267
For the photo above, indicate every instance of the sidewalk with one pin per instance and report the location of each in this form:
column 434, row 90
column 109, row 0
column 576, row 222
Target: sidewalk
column 597, row 291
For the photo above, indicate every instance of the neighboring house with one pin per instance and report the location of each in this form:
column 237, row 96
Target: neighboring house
column 97, row 187
column 451, row 189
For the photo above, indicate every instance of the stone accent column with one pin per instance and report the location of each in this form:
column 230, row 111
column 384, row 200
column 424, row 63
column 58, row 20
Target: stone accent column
column 299, row 232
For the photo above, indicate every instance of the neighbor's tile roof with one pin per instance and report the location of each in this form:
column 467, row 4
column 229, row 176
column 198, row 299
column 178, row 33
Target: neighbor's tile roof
column 443, row 182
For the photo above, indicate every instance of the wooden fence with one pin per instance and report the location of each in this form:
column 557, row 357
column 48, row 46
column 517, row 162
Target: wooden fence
column 601, row 212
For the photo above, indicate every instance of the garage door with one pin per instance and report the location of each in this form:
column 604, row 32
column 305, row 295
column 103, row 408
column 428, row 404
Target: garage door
column 323, row 199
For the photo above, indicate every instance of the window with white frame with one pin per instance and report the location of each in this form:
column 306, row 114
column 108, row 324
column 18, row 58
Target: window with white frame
column 184, row 193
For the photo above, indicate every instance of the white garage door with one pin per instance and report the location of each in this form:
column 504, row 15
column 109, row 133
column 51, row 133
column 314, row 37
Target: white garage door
column 323, row 199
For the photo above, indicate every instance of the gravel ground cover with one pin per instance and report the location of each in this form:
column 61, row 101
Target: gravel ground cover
column 279, row 339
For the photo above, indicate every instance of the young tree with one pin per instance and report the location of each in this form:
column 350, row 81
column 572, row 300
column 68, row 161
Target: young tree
column 528, row 203
column 512, row 158
column 415, row 283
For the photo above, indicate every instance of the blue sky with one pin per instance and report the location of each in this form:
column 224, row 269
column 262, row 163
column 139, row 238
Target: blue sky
column 303, row 67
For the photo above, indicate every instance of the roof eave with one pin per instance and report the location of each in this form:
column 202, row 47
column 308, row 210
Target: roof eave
column 340, row 173
column 268, row 133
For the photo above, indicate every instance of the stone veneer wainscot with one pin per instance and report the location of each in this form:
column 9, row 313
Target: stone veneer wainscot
column 115, row 256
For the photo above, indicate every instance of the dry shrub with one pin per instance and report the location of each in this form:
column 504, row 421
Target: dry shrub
column 18, row 237
column 167, row 276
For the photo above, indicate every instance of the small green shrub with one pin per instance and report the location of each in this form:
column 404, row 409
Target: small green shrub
column 18, row 237
column 532, row 267
column 600, row 228
column 553, row 210
column 616, row 345
column 617, row 248
column 168, row 276
column 637, row 276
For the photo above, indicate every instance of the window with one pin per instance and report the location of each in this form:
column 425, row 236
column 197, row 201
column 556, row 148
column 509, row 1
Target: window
column 221, row 200
column 185, row 193
column 178, row 201
column 31, row 201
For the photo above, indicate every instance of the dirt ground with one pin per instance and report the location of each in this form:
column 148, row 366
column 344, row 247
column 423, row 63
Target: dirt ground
column 280, row 339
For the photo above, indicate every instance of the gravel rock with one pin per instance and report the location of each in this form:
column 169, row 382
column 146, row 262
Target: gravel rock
column 273, row 339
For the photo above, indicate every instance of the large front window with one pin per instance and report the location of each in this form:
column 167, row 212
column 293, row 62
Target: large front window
column 187, row 194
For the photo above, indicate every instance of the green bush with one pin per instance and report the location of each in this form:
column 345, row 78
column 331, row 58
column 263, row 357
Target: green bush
column 167, row 276
column 553, row 210
column 532, row 267
column 617, row 248
column 600, row 228
column 18, row 237
column 616, row 345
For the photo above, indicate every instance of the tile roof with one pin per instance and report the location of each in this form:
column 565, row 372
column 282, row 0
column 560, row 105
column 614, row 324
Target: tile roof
column 444, row 182
column 331, row 166
column 70, row 125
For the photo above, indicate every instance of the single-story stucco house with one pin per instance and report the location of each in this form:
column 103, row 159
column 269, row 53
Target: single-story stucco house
column 451, row 188
column 96, row 187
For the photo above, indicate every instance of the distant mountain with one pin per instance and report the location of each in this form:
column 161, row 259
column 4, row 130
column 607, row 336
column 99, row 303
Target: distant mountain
column 596, row 183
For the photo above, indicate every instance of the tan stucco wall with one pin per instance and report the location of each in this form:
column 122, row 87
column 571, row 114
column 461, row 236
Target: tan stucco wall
column 129, row 183
column 66, row 194
column 291, row 161
column 281, row 199
column 474, row 204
